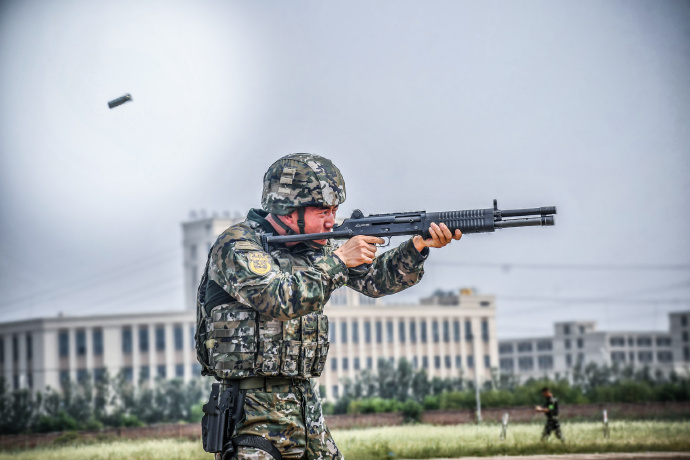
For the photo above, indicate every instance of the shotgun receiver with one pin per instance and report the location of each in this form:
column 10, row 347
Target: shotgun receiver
column 417, row 223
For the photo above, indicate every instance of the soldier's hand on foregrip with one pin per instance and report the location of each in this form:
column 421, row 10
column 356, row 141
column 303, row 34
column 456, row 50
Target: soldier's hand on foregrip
column 440, row 237
column 358, row 250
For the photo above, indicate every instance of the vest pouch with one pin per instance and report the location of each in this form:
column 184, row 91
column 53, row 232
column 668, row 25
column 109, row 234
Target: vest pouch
column 307, row 356
column 268, row 360
column 231, row 341
column 320, row 358
column 289, row 355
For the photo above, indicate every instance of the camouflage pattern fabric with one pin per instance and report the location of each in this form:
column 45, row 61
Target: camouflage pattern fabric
column 289, row 416
column 302, row 179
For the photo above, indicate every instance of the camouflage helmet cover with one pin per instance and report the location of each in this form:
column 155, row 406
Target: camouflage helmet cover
column 301, row 179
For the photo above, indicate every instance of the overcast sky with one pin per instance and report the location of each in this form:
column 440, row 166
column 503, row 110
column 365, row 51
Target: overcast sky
column 423, row 105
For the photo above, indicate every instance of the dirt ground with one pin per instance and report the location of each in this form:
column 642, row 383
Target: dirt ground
column 635, row 456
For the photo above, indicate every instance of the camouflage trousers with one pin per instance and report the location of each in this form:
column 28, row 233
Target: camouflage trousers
column 552, row 425
column 290, row 417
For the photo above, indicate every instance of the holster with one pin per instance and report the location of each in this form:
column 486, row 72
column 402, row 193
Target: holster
column 221, row 413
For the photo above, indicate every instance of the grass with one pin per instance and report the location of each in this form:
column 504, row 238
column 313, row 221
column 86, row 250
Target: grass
column 412, row 442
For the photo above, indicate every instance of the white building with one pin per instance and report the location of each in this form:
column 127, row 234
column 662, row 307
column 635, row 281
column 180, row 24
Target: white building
column 443, row 336
column 575, row 342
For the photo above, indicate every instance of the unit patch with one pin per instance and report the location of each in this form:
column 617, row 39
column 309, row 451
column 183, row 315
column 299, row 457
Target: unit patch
column 259, row 262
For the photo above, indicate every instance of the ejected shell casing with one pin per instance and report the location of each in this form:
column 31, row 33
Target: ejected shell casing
column 120, row 100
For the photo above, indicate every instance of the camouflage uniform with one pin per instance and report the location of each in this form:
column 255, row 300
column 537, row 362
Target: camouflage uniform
column 278, row 288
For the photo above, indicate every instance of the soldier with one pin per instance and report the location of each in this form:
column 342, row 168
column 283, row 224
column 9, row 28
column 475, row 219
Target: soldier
column 260, row 321
column 550, row 409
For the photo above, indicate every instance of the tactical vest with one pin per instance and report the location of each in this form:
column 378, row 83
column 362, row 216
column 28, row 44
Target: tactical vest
column 243, row 343
column 236, row 341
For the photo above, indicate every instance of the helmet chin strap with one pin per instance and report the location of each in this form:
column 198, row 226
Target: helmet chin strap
column 281, row 224
column 300, row 225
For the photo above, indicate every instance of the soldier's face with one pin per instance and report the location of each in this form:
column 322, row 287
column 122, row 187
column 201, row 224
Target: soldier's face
column 316, row 220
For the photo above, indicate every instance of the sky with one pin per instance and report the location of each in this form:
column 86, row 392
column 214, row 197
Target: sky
column 434, row 105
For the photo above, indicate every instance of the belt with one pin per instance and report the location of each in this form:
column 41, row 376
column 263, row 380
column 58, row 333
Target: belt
column 267, row 383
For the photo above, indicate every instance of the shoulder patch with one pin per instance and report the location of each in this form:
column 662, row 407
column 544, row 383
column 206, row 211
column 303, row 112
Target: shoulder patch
column 259, row 262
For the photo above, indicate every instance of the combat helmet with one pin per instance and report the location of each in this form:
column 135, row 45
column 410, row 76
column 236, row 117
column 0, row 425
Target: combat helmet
column 299, row 180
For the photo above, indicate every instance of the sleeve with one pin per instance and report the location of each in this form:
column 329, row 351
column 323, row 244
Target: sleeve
column 393, row 271
column 253, row 278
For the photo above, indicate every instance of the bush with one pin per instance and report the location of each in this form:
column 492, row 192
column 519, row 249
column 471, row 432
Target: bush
column 93, row 425
column 60, row 422
column 412, row 411
column 432, row 402
column 129, row 421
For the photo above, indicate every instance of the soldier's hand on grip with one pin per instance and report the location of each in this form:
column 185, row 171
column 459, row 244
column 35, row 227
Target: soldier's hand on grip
column 358, row 250
column 440, row 237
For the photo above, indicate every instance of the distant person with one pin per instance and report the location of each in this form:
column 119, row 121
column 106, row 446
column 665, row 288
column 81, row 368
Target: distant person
column 550, row 409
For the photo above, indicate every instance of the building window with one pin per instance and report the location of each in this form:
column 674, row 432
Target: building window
column 29, row 348
column 645, row 356
column 379, row 332
column 458, row 361
column 580, row 342
column 582, row 329
column 367, row 332
column 64, row 377
column 161, row 371
column 389, row 331
column 631, row 356
column 422, row 331
column 370, row 363
column 470, row 362
column 2, row 350
column 192, row 251
column 160, row 338
column 401, row 331
column 126, row 340
column 331, row 332
column 144, row 373
column 99, row 374
column 683, row 320
column 685, row 336
column 334, row 364
column 487, row 361
column 485, row 330
column 617, row 341
column 617, row 357
column 505, row 348
column 355, row 363
column 30, row 380
column 413, row 331
column 434, row 331
column 484, row 303
column 446, row 331
column 644, row 341
column 425, row 362
column 663, row 341
column 63, row 343
column 82, row 375
column 414, row 362
column 97, row 337
column 544, row 345
column 664, row 356
column 192, row 338
column 15, row 348
column 468, row 330
column 525, row 363
column 143, row 338
column 524, row 347
column 567, row 344
column 507, row 364
column 345, row 364
column 686, row 354
column 456, row 330
column 336, row 395
column 448, row 362
column 15, row 382
column 179, row 370
column 568, row 360
column 81, row 342
column 580, row 358
column 545, row 362
column 437, row 362
column 355, row 332
column 179, row 341
column 566, row 329
column 631, row 341
column 196, row 369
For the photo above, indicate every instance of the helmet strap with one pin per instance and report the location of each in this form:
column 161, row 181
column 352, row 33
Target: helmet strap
column 300, row 219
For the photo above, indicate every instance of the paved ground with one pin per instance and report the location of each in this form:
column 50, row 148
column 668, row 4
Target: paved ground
column 636, row 456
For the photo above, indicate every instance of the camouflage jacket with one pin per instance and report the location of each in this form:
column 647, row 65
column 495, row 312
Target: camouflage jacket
column 287, row 283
